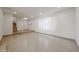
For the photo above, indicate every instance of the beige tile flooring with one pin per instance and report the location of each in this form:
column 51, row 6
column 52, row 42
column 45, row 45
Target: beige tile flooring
column 36, row 42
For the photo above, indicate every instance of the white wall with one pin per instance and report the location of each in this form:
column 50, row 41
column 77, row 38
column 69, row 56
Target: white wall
column 1, row 24
column 31, row 25
column 60, row 24
column 8, row 24
column 21, row 24
column 77, row 25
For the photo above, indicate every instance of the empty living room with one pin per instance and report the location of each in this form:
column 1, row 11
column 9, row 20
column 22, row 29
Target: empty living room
column 39, row 29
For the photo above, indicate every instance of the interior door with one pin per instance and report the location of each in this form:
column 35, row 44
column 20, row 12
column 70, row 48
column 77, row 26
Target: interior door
column 14, row 28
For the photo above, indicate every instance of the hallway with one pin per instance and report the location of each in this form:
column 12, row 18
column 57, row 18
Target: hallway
column 37, row 42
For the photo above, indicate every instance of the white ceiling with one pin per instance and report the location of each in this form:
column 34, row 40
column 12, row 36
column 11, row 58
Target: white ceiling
column 33, row 11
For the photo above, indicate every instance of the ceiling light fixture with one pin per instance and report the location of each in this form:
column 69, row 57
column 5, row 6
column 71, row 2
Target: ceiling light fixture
column 25, row 18
column 32, row 16
column 40, row 13
column 15, row 12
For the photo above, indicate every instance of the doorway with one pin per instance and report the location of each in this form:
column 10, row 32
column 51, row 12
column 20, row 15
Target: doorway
column 14, row 28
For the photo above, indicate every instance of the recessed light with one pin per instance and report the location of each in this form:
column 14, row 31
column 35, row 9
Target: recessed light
column 15, row 12
column 40, row 13
column 32, row 16
column 25, row 18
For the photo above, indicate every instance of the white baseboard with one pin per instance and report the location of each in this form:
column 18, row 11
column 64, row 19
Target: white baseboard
column 1, row 38
column 77, row 41
column 56, row 35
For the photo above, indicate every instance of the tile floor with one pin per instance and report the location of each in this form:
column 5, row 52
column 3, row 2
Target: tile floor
column 36, row 42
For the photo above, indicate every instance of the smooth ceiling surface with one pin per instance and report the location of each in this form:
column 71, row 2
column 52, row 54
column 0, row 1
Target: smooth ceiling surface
column 34, row 11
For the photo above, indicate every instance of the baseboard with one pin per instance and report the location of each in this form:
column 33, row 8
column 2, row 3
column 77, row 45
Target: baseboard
column 8, row 35
column 16, row 33
column 11, row 34
column 77, row 41
column 1, row 39
column 56, row 36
